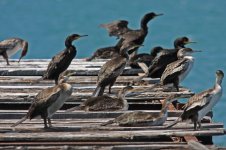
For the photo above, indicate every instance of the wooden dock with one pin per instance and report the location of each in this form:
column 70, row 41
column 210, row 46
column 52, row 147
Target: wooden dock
column 81, row 130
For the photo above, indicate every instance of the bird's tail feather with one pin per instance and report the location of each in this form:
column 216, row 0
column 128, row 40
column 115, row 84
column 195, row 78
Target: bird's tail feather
column 19, row 122
column 90, row 58
column 144, row 67
column 151, row 88
column 99, row 91
column 36, row 81
column 174, row 123
column 107, row 123
column 73, row 108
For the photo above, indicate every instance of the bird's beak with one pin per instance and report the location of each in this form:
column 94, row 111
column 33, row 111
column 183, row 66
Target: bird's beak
column 159, row 14
column 82, row 36
column 190, row 42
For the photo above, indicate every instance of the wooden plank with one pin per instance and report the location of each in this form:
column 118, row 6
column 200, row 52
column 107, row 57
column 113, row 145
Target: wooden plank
column 105, row 135
column 16, row 114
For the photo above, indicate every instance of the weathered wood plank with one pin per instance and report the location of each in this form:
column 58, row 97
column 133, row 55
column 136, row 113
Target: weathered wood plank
column 105, row 135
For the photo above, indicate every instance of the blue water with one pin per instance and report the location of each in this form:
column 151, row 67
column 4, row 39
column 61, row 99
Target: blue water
column 45, row 24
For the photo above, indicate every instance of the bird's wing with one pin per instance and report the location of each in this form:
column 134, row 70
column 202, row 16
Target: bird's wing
column 7, row 44
column 174, row 69
column 199, row 100
column 44, row 99
column 131, row 35
column 161, row 60
column 105, row 103
column 111, row 68
column 116, row 28
column 53, row 64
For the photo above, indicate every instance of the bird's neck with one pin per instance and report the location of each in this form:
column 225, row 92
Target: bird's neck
column 68, row 43
column 218, row 81
column 124, row 54
column 144, row 25
column 121, row 95
column 178, row 45
column 164, row 108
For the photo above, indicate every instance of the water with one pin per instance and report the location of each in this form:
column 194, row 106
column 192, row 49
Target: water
column 45, row 24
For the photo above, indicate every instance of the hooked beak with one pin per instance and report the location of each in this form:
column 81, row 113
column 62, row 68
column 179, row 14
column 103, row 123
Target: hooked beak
column 82, row 36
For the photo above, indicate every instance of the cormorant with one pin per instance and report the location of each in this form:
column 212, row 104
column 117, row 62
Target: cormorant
column 134, row 36
column 200, row 104
column 140, row 118
column 145, row 58
column 138, row 36
column 112, row 69
column 105, row 102
column 176, row 71
column 62, row 60
column 49, row 100
column 10, row 46
column 166, row 57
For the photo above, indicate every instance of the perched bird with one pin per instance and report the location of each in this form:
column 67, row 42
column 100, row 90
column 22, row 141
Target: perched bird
column 145, row 58
column 62, row 60
column 139, row 118
column 112, row 69
column 116, row 28
column 176, row 72
column 105, row 102
column 138, row 36
column 200, row 104
column 49, row 100
column 127, row 36
column 166, row 57
column 10, row 46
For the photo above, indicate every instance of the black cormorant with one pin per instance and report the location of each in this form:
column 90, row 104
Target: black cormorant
column 62, row 60
column 10, row 46
column 134, row 36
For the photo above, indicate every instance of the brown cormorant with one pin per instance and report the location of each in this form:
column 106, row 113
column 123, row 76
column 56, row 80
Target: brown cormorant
column 166, row 57
column 176, row 71
column 140, row 118
column 62, row 60
column 112, row 69
column 145, row 58
column 200, row 104
column 49, row 100
column 10, row 46
column 105, row 102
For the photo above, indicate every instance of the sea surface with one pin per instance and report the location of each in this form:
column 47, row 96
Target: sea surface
column 46, row 23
